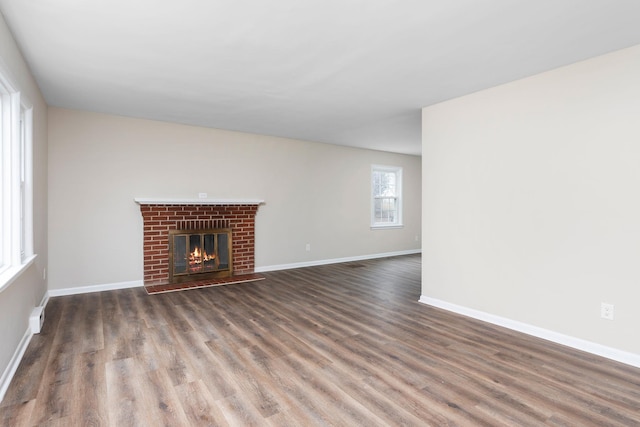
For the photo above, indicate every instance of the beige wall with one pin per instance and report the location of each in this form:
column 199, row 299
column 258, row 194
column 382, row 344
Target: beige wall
column 17, row 301
column 314, row 193
column 531, row 206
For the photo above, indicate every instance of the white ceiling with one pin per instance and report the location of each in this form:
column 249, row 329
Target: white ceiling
column 350, row 72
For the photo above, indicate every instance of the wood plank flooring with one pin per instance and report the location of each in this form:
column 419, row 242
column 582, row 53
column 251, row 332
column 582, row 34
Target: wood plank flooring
column 343, row 345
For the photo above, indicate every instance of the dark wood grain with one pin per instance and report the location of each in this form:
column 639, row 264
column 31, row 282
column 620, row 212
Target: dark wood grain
column 344, row 344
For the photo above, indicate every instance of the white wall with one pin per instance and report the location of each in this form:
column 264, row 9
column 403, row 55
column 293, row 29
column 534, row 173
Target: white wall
column 314, row 193
column 27, row 291
column 531, row 200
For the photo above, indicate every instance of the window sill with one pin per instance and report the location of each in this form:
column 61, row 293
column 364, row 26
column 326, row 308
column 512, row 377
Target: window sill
column 386, row 227
column 8, row 276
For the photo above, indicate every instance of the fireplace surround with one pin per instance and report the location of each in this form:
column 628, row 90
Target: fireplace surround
column 163, row 218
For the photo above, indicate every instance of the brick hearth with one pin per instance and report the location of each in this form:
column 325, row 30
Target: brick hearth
column 160, row 217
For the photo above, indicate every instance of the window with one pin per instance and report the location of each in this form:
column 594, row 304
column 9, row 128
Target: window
column 386, row 196
column 16, row 214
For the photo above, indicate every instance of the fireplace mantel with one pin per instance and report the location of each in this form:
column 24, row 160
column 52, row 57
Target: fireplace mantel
column 229, row 202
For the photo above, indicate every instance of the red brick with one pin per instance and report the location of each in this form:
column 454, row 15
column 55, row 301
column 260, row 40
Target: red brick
column 159, row 219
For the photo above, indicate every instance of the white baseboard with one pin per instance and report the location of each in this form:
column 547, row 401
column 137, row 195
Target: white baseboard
column 333, row 261
column 45, row 300
column 577, row 343
column 12, row 367
column 137, row 283
column 93, row 288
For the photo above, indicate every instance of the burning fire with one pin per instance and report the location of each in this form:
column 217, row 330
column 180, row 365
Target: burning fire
column 196, row 258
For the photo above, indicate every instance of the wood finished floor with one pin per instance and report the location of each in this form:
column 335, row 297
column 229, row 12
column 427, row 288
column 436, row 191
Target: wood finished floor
column 345, row 345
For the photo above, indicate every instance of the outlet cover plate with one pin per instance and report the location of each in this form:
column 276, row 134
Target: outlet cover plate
column 606, row 311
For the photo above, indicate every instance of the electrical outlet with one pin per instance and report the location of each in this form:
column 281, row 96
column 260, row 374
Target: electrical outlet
column 308, row 247
column 202, row 195
column 606, row 311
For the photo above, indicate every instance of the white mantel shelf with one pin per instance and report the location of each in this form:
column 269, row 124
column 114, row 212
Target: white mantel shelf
column 158, row 201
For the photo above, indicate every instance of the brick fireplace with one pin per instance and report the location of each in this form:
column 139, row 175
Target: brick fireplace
column 162, row 217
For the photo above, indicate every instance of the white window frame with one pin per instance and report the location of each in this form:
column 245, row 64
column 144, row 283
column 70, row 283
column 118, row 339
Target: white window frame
column 16, row 180
column 397, row 219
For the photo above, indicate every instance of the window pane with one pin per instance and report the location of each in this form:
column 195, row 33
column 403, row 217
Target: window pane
column 385, row 209
column 2, row 165
column 16, row 234
column 23, row 225
column 386, row 184
column 378, row 209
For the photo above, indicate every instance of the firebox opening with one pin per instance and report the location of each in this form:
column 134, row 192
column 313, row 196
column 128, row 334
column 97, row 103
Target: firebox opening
column 199, row 254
